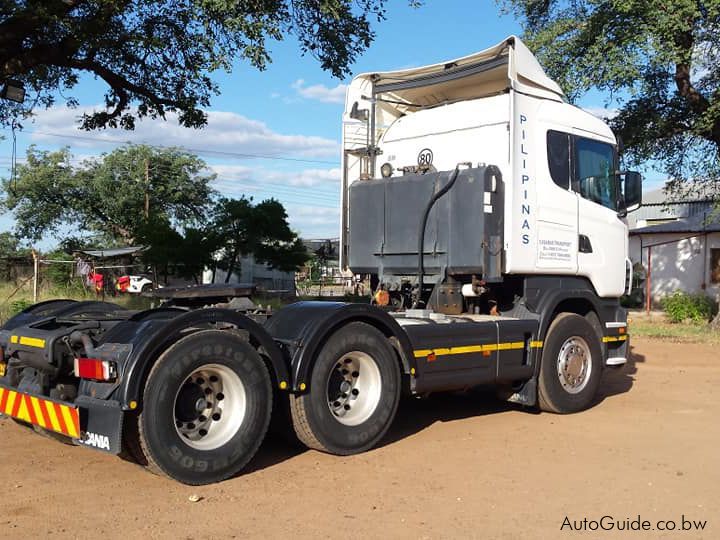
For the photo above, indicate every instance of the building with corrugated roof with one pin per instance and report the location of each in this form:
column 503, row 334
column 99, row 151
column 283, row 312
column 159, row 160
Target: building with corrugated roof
column 678, row 244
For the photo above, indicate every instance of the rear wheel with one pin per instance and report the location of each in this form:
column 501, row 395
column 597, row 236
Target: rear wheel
column 207, row 406
column 571, row 365
column 354, row 393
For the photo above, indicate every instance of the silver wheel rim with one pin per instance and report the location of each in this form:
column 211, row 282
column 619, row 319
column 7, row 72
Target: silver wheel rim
column 574, row 365
column 210, row 407
column 353, row 388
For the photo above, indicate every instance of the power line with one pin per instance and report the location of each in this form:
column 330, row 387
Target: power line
column 237, row 155
column 295, row 192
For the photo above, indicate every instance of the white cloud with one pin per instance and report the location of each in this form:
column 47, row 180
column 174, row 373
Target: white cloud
column 264, row 177
column 321, row 92
column 602, row 112
column 225, row 132
column 261, row 175
column 309, row 192
column 314, row 222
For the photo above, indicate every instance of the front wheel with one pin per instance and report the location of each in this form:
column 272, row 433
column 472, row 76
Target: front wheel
column 571, row 365
column 354, row 393
column 207, row 406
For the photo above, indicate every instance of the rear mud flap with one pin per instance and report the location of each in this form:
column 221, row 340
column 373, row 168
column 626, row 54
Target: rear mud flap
column 101, row 423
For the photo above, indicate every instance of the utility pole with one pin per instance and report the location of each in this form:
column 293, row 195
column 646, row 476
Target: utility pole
column 147, row 189
column 36, row 274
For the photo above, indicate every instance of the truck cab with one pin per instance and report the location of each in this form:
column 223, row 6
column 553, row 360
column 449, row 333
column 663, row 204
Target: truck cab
column 562, row 204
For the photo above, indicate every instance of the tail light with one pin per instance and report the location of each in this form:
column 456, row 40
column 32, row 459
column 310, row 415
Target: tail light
column 95, row 369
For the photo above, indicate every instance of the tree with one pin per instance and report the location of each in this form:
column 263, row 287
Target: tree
column 260, row 230
column 187, row 254
column 157, row 56
column 117, row 195
column 660, row 64
column 10, row 246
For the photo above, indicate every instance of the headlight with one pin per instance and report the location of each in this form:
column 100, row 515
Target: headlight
column 386, row 170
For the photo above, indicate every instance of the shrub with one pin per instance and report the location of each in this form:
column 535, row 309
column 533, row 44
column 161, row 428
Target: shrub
column 18, row 305
column 681, row 306
column 59, row 274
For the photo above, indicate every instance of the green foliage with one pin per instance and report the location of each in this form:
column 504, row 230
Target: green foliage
column 186, row 254
column 659, row 64
column 10, row 246
column 59, row 274
column 157, row 56
column 261, row 230
column 108, row 196
column 682, row 307
column 19, row 305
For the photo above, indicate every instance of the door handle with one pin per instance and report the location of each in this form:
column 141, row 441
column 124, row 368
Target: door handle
column 584, row 245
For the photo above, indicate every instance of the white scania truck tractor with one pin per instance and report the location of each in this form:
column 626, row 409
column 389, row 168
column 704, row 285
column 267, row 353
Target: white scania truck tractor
column 489, row 214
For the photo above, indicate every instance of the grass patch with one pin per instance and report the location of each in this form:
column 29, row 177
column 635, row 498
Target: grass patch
column 14, row 299
column 676, row 332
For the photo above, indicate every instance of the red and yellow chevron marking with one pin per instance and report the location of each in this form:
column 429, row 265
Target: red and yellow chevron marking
column 47, row 414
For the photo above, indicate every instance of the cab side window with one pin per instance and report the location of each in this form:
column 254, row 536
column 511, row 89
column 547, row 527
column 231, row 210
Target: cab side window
column 558, row 151
column 595, row 171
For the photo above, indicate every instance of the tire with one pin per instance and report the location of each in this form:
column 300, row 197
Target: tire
column 571, row 365
column 132, row 449
column 321, row 417
column 206, row 408
column 146, row 288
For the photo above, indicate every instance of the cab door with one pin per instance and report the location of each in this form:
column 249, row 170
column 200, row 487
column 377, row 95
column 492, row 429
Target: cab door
column 602, row 235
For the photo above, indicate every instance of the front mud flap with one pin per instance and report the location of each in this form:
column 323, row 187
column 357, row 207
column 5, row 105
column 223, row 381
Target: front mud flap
column 101, row 424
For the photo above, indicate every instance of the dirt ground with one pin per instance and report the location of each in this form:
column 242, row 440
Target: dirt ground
column 452, row 466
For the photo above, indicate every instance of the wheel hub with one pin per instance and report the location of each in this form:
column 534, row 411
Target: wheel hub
column 210, row 407
column 187, row 404
column 574, row 364
column 353, row 388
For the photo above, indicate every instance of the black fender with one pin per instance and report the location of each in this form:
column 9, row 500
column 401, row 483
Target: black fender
column 57, row 308
column 152, row 343
column 547, row 295
column 302, row 328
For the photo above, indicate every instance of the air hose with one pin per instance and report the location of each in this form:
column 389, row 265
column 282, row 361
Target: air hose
column 417, row 295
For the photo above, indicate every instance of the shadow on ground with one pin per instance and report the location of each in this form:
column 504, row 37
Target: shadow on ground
column 621, row 380
column 415, row 415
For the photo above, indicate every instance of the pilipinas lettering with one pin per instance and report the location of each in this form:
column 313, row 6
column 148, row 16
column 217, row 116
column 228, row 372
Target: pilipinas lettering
column 525, row 183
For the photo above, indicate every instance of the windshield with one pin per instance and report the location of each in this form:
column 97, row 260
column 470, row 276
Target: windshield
column 596, row 172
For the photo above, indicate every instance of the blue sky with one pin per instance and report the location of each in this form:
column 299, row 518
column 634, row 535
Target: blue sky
column 291, row 111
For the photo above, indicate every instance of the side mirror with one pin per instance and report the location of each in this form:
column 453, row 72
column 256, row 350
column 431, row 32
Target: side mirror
column 632, row 190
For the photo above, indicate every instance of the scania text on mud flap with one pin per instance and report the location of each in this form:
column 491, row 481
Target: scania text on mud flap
column 488, row 214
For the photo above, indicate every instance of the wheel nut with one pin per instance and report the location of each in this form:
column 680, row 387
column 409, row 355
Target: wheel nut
column 220, row 396
column 216, row 416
